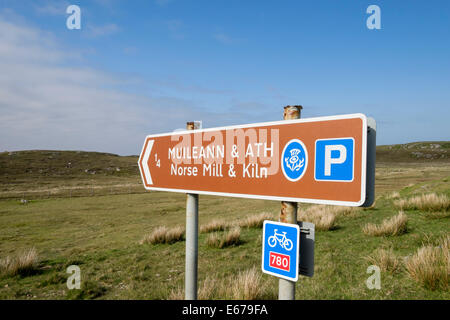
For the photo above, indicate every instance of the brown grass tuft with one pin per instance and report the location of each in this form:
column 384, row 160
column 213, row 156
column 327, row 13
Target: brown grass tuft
column 393, row 195
column 229, row 238
column 425, row 202
column 164, row 235
column 247, row 285
column 323, row 217
column 385, row 259
column 23, row 264
column 430, row 265
column 256, row 220
column 210, row 288
column 214, row 225
column 393, row 226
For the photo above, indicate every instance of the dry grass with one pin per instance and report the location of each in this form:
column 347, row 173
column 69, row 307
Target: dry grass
column 393, row 195
column 425, row 202
column 247, row 285
column 164, row 235
column 430, row 265
column 253, row 221
column 437, row 215
column 385, row 259
column 176, row 294
column 214, row 225
column 227, row 239
column 211, row 287
column 213, row 240
column 256, row 220
column 341, row 211
column 231, row 238
column 23, row 264
column 323, row 217
column 393, row 226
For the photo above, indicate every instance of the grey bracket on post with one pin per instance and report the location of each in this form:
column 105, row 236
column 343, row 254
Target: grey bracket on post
column 307, row 238
column 370, row 166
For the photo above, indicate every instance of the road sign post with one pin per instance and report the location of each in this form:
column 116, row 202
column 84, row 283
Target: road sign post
column 288, row 214
column 191, row 270
column 324, row 160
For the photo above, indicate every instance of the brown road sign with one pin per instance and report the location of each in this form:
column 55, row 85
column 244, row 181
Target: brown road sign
column 316, row 160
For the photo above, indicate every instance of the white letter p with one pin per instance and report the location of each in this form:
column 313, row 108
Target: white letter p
column 329, row 160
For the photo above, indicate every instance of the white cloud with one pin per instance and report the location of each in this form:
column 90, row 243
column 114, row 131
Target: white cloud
column 53, row 8
column 104, row 30
column 225, row 39
column 46, row 103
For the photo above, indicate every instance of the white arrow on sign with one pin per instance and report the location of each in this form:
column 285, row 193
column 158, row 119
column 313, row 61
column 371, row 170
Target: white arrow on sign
column 145, row 158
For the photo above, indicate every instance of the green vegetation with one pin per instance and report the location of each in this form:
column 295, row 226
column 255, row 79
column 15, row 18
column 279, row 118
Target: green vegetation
column 385, row 259
column 104, row 234
column 430, row 265
column 164, row 235
column 394, row 226
column 425, row 152
column 227, row 239
column 49, row 174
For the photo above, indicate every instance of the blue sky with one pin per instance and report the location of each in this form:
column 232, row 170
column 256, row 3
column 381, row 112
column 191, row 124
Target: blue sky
column 143, row 67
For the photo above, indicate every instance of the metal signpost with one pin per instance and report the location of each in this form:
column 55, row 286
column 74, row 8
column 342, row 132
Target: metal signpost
column 288, row 213
column 191, row 237
column 324, row 160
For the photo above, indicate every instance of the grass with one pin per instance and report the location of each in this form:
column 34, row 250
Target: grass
column 394, row 226
column 246, row 285
column 393, row 195
column 214, row 225
column 324, row 217
column 223, row 240
column 437, row 215
column 23, row 264
column 102, row 233
column 385, row 259
column 89, row 290
column 255, row 220
column 431, row 202
column 251, row 221
column 430, row 265
column 38, row 174
column 164, row 235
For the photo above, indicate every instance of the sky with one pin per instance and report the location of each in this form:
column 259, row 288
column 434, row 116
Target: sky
column 144, row 67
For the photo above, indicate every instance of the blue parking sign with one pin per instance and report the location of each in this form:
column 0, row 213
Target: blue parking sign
column 334, row 160
column 280, row 252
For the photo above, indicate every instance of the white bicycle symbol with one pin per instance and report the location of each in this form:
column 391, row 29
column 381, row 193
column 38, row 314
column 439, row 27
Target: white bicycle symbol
column 281, row 238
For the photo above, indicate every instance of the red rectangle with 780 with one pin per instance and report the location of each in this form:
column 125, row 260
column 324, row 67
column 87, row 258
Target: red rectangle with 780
column 279, row 261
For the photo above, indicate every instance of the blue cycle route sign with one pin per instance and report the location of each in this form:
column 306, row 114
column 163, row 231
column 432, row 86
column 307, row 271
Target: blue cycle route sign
column 280, row 252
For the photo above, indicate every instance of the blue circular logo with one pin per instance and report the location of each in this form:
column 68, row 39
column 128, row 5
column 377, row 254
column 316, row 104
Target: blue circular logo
column 294, row 159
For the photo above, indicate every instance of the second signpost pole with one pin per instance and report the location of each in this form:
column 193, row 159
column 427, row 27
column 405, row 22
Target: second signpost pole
column 288, row 214
column 191, row 241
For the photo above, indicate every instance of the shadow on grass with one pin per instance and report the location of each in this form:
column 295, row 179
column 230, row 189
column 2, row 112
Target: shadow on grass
column 89, row 290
